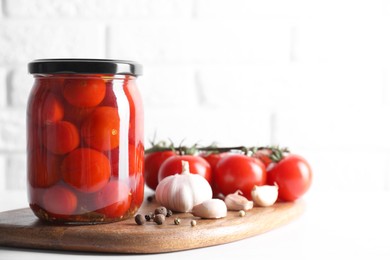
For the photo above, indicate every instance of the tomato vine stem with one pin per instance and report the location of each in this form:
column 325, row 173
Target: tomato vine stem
column 276, row 152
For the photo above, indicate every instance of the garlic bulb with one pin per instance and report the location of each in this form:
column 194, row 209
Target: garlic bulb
column 235, row 201
column 181, row 192
column 212, row 208
column 265, row 195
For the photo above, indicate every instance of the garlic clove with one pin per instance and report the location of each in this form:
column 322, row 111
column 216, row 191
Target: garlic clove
column 265, row 195
column 235, row 201
column 212, row 208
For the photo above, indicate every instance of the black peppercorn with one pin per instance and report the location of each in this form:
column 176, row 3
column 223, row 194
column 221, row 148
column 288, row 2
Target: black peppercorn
column 149, row 217
column 139, row 219
column 161, row 210
column 169, row 213
column 150, row 198
column 159, row 219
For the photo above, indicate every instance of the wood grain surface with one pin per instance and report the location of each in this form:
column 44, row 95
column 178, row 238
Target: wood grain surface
column 20, row 228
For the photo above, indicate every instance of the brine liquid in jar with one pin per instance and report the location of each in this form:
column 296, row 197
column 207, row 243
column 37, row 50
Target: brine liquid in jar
column 85, row 148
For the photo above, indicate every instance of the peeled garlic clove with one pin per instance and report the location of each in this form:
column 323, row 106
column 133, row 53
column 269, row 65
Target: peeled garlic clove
column 212, row 208
column 235, row 201
column 265, row 195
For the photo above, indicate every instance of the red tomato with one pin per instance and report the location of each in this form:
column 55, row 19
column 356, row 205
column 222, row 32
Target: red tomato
column 60, row 137
column 84, row 92
column 52, row 109
column 136, row 110
column 213, row 159
column 86, row 170
column 239, row 172
column 110, row 99
column 59, row 200
column 113, row 200
column 136, row 159
column 43, row 168
column 264, row 156
column 137, row 188
column 77, row 115
column 173, row 165
column 153, row 162
column 113, row 156
column 101, row 129
column 293, row 176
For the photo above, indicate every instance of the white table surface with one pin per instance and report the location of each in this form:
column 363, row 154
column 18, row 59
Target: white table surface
column 346, row 225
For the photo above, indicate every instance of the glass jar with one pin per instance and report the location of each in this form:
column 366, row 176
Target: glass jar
column 85, row 148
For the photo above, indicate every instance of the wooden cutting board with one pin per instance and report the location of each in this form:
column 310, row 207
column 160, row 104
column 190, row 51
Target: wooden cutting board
column 20, row 228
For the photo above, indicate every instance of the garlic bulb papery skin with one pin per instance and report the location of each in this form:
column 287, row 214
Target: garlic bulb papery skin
column 181, row 192
column 265, row 196
column 212, row 208
column 235, row 201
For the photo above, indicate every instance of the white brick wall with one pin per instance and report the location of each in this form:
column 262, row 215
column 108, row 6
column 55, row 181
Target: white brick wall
column 196, row 42
column 23, row 40
column 3, row 87
column 13, row 129
column 311, row 75
column 92, row 9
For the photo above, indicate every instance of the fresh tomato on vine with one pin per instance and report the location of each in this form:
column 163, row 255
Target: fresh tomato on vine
column 264, row 156
column 292, row 174
column 238, row 172
column 153, row 163
column 173, row 165
column 213, row 159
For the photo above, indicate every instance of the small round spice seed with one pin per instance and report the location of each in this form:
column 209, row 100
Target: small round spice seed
column 242, row 213
column 177, row 221
column 161, row 210
column 149, row 217
column 159, row 219
column 139, row 219
column 193, row 223
column 150, row 198
column 169, row 213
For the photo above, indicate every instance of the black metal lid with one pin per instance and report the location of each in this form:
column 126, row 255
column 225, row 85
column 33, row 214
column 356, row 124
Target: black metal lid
column 84, row 66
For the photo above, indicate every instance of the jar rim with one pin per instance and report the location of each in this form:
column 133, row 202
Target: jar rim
column 84, row 66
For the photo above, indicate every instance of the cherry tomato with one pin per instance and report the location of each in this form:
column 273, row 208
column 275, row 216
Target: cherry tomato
column 113, row 156
column 43, row 168
column 113, row 200
column 86, row 170
column 213, row 159
column 84, row 92
column 137, row 187
column 77, row 115
column 136, row 159
column 137, row 182
column 53, row 84
column 101, row 129
column 264, row 156
column 153, row 162
column 52, row 109
column 59, row 200
column 173, row 165
column 110, row 99
column 239, row 172
column 60, row 137
column 136, row 111
column 293, row 175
